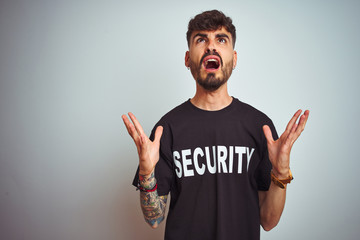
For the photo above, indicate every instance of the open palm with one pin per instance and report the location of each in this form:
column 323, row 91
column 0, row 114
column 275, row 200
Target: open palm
column 279, row 150
column 148, row 150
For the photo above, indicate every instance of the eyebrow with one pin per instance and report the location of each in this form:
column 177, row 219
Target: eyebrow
column 219, row 35
column 222, row 35
column 200, row 35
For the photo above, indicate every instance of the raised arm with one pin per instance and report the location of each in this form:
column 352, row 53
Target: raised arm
column 272, row 201
column 152, row 205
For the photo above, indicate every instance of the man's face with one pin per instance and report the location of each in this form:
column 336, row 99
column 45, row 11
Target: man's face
column 211, row 58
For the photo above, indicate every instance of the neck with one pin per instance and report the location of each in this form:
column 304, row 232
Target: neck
column 211, row 101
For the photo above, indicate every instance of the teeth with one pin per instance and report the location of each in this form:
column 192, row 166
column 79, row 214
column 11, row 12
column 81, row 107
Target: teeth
column 211, row 60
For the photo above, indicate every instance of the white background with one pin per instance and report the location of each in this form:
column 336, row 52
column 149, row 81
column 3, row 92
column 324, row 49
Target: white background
column 70, row 69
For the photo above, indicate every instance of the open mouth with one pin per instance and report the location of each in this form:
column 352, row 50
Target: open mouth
column 211, row 63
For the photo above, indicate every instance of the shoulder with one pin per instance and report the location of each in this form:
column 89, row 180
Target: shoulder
column 178, row 112
column 176, row 115
column 249, row 112
column 255, row 118
column 172, row 118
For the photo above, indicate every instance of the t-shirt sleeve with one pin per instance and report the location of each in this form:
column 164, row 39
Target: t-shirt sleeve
column 164, row 169
column 263, row 177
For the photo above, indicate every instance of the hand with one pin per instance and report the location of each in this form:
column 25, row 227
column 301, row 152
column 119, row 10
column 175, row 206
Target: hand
column 148, row 151
column 279, row 150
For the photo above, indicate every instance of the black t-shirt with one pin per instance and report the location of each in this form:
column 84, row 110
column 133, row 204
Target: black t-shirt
column 213, row 163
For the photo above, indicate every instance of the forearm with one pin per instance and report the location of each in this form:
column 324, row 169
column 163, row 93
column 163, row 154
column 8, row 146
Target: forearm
column 152, row 205
column 272, row 204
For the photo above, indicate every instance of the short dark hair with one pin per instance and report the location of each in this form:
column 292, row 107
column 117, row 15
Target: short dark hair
column 211, row 21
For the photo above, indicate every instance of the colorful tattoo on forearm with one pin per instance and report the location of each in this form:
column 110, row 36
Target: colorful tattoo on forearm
column 152, row 205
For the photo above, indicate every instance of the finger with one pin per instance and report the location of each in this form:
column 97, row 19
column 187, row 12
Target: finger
column 268, row 134
column 304, row 119
column 137, row 125
column 131, row 130
column 294, row 128
column 302, row 122
column 128, row 124
column 298, row 128
column 293, row 120
column 142, row 147
column 291, row 138
column 158, row 134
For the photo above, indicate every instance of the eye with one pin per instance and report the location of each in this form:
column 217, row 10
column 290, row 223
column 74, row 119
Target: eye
column 200, row 40
column 222, row 40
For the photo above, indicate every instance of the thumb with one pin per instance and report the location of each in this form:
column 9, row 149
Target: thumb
column 158, row 134
column 268, row 134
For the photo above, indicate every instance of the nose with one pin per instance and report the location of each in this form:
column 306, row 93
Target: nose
column 211, row 51
column 211, row 47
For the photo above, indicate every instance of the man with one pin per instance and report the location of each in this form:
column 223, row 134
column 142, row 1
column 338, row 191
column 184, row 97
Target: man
column 216, row 155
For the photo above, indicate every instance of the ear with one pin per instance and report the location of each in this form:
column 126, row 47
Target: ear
column 234, row 59
column 187, row 59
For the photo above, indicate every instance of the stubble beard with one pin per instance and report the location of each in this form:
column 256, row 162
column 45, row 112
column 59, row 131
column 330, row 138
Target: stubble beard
column 212, row 83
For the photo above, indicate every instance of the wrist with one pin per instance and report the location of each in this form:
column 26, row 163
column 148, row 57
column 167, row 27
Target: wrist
column 144, row 172
column 147, row 181
column 145, row 176
column 281, row 173
column 281, row 182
